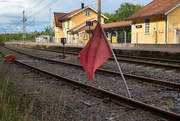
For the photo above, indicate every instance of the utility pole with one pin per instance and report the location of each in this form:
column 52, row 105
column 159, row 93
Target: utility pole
column 50, row 17
column 4, row 35
column 24, row 27
column 99, row 11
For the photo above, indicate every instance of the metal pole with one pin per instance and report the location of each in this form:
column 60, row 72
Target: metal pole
column 99, row 11
column 24, row 27
column 5, row 35
column 136, row 39
column 63, row 51
column 125, row 39
column 122, row 75
column 89, row 31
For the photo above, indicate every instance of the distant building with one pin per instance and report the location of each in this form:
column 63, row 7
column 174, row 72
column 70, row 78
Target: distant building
column 157, row 23
column 43, row 39
column 72, row 25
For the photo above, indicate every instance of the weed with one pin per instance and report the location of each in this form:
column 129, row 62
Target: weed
column 9, row 102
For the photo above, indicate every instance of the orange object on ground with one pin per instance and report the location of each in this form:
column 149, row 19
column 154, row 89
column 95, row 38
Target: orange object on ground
column 10, row 57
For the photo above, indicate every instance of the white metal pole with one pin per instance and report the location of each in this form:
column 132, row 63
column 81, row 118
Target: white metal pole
column 118, row 65
column 121, row 74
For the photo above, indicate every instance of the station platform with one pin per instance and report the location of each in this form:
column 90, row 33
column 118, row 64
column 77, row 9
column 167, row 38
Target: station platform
column 164, row 51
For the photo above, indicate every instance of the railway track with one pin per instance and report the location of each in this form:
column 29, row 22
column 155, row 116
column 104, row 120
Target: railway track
column 163, row 63
column 107, row 95
column 163, row 83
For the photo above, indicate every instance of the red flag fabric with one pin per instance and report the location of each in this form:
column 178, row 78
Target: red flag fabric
column 96, row 51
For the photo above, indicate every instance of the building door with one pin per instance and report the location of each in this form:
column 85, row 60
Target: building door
column 176, row 35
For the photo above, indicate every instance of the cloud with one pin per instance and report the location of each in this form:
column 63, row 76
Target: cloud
column 4, row 1
column 11, row 11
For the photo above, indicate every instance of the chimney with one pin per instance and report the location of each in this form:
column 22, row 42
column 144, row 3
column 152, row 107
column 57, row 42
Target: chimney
column 82, row 5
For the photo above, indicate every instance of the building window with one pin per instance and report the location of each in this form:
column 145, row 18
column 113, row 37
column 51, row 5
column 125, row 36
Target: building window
column 84, row 37
column 87, row 12
column 63, row 25
column 147, row 26
column 68, row 24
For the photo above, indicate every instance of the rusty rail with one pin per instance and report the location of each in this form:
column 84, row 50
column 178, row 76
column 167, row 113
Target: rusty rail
column 118, row 99
column 167, row 84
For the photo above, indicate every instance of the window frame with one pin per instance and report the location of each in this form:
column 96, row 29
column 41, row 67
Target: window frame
column 147, row 26
column 88, row 12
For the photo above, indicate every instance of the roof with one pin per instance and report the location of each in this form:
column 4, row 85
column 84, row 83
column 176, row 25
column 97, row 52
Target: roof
column 113, row 25
column 81, row 25
column 156, row 8
column 57, row 16
column 116, row 24
column 63, row 16
column 69, row 14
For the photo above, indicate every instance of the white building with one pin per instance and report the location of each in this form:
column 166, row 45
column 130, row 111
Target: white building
column 43, row 39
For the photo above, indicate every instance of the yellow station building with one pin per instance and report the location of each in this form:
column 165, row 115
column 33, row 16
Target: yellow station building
column 72, row 25
column 157, row 23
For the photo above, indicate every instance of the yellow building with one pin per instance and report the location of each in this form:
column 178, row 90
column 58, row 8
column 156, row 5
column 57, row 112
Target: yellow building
column 72, row 26
column 157, row 23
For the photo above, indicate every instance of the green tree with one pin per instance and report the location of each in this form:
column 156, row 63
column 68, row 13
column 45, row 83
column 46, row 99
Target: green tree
column 48, row 31
column 110, row 17
column 125, row 10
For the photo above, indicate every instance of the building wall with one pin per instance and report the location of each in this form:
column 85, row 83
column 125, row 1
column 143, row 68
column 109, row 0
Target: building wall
column 58, row 34
column 82, row 36
column 173, row 18
column 161, row 32
column 81, row 17
column 73, row 22
column 157, row 31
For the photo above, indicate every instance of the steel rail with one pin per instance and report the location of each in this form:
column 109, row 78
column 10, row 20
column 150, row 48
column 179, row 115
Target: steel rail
column 117, row 99
column 133, row 61
column 167, row 84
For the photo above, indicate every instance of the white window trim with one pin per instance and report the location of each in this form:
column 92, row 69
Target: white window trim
column 88, row 12
column 146, row 26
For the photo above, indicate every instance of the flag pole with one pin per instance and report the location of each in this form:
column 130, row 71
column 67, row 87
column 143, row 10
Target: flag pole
column 99, row 20
column 118, row 66
column 121, row 74
column 99, row 11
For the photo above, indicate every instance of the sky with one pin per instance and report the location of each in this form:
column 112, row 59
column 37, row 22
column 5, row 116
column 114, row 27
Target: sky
column 39, row 13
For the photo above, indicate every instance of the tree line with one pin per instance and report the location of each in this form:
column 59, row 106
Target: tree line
column 29, row 36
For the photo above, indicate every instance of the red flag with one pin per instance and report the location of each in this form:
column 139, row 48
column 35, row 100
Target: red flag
column 96, row 51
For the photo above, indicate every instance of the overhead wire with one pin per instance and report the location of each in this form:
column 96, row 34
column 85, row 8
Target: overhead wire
column 74, row 5
column 31, row 9
column 43, row 9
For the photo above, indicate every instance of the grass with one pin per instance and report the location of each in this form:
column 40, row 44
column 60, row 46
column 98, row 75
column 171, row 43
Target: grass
column 11, row 104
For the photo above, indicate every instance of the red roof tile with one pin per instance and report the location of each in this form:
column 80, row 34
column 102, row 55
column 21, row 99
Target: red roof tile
column 69, row 14
column 116, row 24
column 57, row 16
column 113, row 25
column 155, row 8
column 81, row 24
